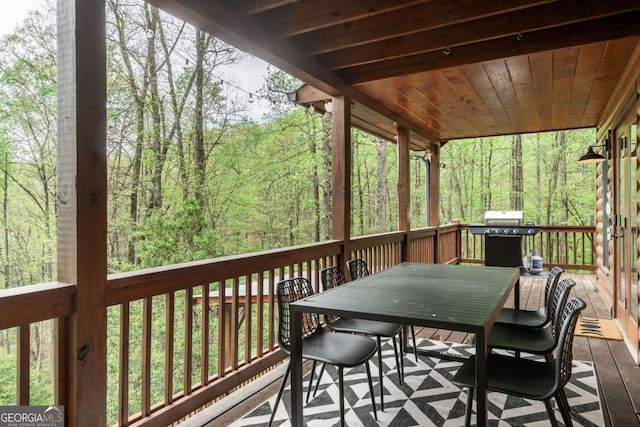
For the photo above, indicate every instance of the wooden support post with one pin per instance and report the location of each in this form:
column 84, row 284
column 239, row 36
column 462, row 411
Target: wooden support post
column 82, row 203
column 341, row 174
column 434, row 197
column 403, row 189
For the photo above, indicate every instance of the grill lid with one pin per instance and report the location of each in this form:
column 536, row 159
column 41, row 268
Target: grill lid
column 503, row 218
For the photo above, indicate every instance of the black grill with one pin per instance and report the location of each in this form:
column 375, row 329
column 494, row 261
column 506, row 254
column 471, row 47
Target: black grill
column 503, row 244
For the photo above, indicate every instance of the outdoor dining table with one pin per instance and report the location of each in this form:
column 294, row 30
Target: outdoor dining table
column 453, row 297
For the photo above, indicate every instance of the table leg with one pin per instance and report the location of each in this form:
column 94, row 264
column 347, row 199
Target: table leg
column 481, row 378
column 296, row 368
column 516, row 304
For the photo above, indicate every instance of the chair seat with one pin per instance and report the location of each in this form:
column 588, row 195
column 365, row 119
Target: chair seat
column 339, row 349
column 516, row 376
column 510, row 337
column 368, row 327
column 528, row 318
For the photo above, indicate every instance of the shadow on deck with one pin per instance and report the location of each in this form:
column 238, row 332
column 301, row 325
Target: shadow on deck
column 618, row 375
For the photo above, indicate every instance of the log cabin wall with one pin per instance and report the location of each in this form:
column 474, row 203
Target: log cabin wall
column 624, row 97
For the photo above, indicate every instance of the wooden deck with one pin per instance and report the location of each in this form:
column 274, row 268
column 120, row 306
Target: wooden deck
column 618, row 376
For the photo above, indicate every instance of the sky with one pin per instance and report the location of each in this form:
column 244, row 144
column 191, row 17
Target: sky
column 13, row 12
column 248, row 75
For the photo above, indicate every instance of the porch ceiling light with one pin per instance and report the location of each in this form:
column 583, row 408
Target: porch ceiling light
column 591, row 157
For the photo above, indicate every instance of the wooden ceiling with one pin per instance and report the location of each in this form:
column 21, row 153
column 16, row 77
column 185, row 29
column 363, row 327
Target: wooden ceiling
column 444, row 69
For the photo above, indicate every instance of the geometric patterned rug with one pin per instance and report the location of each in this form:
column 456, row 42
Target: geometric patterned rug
column 427, row 398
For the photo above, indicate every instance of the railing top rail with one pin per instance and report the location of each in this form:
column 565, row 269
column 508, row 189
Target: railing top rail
column 28, row 304
column 35, row 303
column 364, row 242
column 556, row 228
column 149, row 282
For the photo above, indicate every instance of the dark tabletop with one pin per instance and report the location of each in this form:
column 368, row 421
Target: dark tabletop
column 457, row 297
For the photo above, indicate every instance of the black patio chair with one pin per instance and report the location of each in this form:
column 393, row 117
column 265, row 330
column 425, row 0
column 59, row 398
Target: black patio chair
column 358, row 268
column 332, row 277
column 530, row 379
column 318, row 344
column 533, row 340
column 534, row 318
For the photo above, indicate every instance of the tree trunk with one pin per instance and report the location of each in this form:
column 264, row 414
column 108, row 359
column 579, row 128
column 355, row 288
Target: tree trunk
column 562, row 167
column 315, row 181
column 155, row 198
column 177, row 107
column 5, row 254
column 198, row 121
column 516, row 173
column 381, row 186
column 138, row 93
column 358, row 209
column 552, row 184
column 418, row 182
column 326, row 176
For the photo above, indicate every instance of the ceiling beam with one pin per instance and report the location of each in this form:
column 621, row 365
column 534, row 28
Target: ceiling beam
column 598, row 30
column 489, row 28
column 214, row 17
column 302, row 17
column 434, row 14
column 256, row 6
column 361, row 117
column 308, row 94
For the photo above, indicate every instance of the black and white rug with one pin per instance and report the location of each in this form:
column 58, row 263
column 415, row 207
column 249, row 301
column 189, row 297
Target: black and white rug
column 427, row 398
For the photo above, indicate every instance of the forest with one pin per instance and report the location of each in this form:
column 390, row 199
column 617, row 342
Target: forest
column 193, row 175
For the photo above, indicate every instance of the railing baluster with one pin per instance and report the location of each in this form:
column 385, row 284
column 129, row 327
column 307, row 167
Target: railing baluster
column 234, row 323
column 384, row 257
column 272, row 310
column 248, row 314
column 60, row 343
column 204, row 342
column 24, row 363
column 125, row 318
column 260, row 315
column 147, row 308
column 223, row 338
column 188, row 339
column 170, row 305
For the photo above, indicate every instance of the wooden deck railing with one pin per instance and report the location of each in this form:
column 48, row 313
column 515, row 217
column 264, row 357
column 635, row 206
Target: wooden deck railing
column 569, row 247
column 182, row 336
